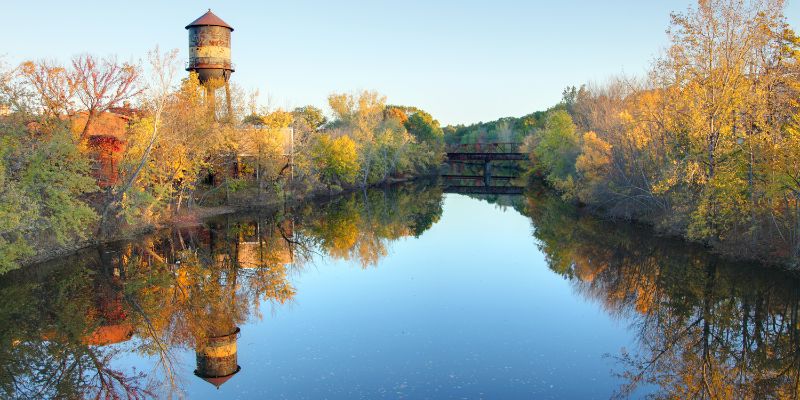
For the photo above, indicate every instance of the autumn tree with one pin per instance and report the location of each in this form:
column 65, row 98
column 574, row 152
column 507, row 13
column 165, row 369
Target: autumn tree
column 54, row 85
column 148, row 179
column 336, row 159
column 701, row 147
column 269, row 144
column 102, row 84
column 391, row 140
column 592, row 166
column 359, row 116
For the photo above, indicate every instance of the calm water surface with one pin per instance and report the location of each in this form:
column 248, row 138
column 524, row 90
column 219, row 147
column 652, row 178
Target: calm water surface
column 400, row 293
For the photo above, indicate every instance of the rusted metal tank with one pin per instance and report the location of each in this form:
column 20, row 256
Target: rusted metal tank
column 217, row 360
column 210, row 48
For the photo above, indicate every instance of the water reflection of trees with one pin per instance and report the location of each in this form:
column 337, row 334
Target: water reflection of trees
column 63, row 325
column 359, row 227
column 54, row 323
column 706, row 328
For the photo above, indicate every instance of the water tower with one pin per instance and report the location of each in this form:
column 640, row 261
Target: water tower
column 217, row 359
column 210, row 55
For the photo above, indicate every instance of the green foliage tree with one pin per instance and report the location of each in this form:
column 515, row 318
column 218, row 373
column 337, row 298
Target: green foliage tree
column 391, row 140
column 15, row 211
column 57, row 177
column 424, row 128
column 557, row 150
column 311, row 117
column 336, row 159
column 43, row 187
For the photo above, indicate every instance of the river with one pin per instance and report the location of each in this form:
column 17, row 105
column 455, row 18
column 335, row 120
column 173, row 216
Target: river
column 407, row 292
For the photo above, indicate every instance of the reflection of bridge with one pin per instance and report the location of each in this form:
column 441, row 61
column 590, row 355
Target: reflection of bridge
column 480, row 155
column 480, row 184
column 483, row 189
column 478, row 177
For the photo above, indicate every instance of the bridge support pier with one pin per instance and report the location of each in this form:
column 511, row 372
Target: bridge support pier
column 487, row 173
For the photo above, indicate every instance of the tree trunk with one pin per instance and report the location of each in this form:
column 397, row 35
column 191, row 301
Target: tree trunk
column 710, row 157
column 89, row 120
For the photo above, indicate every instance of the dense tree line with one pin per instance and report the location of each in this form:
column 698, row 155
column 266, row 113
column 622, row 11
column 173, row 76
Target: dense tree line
column 503, row 130
column 706, row 146
column 179, row 149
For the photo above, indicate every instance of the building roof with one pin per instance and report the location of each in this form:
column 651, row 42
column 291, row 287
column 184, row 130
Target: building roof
column 218, row 380
column 209, row 19
column 110, row 334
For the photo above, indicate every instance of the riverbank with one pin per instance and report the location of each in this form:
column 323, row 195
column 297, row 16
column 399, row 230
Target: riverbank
column 728, row 251
column 195, row 215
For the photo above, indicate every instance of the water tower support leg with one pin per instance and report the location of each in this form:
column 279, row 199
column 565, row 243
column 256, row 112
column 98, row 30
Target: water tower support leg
column 228, row 100
column 211, row 101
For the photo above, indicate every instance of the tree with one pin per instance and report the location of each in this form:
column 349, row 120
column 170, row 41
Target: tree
column 42, row 196
column 278, row 119
column 705, row 145
column 15, row 209
column 311, row 117
column 102, row 84
column 397, row 112
column 360, row 116
column 54, row 85
column 557, row 150
column 254, row 120
column 713, row 58
column 593, row 165
column 336, row 159
column 424, row 128
column 139, row 153
column 268, row 143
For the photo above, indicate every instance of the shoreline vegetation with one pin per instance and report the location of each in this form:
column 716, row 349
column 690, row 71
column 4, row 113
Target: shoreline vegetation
column 197, row 215
column 705, row 147
column 99, row 150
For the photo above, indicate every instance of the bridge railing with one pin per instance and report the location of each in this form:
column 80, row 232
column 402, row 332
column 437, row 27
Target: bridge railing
column 488, row 148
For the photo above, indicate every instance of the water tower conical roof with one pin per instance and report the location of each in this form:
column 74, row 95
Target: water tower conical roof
column 218, row 380
column 209, row 19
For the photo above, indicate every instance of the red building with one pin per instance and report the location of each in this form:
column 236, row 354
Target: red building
column 106, row 141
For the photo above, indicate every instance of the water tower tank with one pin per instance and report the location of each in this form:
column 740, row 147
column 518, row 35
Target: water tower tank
column 210, row 48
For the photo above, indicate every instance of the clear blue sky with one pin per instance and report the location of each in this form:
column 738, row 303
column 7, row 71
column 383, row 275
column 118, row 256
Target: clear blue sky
column 463, row 61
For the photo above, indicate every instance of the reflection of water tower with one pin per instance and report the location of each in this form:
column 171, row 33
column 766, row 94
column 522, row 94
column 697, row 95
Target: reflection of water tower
column 210, row 55
column 217, row 360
